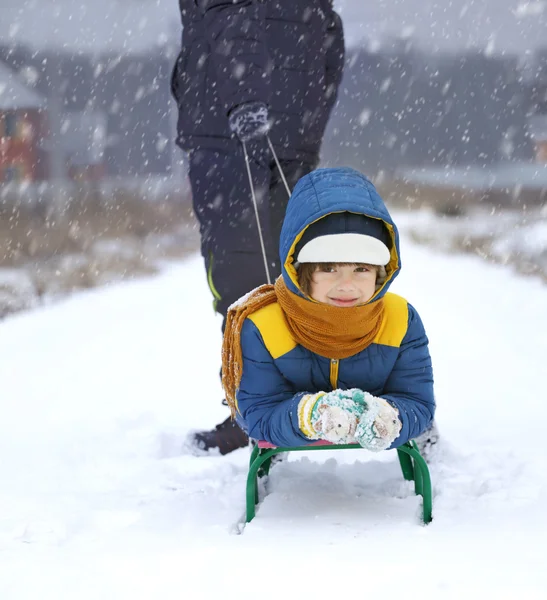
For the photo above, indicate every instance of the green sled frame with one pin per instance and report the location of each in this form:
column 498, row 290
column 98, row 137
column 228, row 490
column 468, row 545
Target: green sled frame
column 412, row 463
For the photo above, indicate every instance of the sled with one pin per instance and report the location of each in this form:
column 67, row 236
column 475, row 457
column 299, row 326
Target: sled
column 412, row 464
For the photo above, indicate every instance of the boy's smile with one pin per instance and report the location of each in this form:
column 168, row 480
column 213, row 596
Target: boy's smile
column 344, row 301
column 343, row 285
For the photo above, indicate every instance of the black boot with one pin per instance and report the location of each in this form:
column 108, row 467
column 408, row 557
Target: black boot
column 428, row 440
column 226, row 437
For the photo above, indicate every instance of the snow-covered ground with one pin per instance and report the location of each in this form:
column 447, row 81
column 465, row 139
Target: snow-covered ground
column 96, row 500
column 513, row 237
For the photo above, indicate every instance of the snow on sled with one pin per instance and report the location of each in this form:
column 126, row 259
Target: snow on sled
column 412, row 464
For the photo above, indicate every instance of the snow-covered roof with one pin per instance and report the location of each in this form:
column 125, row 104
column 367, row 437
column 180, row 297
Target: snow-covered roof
column 14, row 94
column 538, row 127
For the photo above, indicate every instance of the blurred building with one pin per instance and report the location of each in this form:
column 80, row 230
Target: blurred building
column 83, row 137
column 538, row 131
column 22, row 128
column 132, row 91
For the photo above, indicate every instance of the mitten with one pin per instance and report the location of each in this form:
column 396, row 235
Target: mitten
column 379, row 424
column 249, row 121
column 333, row 416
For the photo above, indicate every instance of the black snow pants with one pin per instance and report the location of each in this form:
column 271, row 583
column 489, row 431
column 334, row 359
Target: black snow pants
column 222, row 201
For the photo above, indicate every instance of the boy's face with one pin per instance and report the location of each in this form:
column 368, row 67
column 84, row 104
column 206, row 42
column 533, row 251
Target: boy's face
column 343, row 285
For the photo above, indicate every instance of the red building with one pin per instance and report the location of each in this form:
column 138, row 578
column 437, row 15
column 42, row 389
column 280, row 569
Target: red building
column 538, row 129
column 22, row 129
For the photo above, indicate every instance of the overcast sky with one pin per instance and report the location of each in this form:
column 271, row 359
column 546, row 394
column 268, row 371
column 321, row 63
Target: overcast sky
column 510, row 25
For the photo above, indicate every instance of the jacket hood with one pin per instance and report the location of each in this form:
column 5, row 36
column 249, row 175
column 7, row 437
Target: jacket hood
column 327, row 191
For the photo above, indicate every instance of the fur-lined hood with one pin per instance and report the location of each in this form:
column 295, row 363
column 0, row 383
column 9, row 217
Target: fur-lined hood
column 327, row 191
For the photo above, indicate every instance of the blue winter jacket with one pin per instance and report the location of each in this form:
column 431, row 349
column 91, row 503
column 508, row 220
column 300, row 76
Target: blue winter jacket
column 277, row 371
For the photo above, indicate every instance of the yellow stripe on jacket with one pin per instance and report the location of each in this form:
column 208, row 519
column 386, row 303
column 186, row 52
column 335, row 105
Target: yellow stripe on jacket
column 270, row 321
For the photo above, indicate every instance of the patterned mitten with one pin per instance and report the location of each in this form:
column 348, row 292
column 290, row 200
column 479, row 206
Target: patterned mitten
column 379, row 425
column 333, row 416
column 249, row 121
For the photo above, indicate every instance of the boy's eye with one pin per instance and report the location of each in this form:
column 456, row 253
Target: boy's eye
column 325, row 269
column 361, row 269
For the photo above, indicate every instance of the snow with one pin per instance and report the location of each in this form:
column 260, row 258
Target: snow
column 136, row 25
column 516, row 236
column 17, row 291
column 530, row 9
column 97, row 501
column 534, row 242
column 499, row 176
column 122, row 25
column 14, row 94
column 505, row 25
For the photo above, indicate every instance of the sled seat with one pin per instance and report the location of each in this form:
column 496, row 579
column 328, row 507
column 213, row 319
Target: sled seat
column 412, row 464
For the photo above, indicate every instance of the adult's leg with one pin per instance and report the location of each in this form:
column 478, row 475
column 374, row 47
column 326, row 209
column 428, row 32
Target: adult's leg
column 230, row 246
column 230, row 242
column 293, row 170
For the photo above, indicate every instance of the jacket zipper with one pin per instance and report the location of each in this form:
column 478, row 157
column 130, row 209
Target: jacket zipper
column 334, row 362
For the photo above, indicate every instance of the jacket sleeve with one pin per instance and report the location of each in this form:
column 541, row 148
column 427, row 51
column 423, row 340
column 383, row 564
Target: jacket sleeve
column 410, row 385
column 335, row 58
column 267, row 402
column 235, row 32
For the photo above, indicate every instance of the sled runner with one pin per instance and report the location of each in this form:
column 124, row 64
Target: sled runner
column 413, row 466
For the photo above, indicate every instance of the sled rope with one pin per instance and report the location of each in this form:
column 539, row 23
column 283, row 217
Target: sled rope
column 278, row 166
column 253, row 195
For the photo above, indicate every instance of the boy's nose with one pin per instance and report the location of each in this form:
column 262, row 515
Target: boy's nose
column 345, row 281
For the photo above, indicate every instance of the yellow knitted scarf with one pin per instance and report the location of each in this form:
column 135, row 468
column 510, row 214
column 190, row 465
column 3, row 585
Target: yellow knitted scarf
column 330, row 331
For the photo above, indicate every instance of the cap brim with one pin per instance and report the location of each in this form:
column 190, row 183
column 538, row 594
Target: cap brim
column 345, row 248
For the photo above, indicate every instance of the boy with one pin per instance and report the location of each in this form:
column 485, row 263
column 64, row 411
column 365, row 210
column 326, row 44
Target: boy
column 327, row 353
